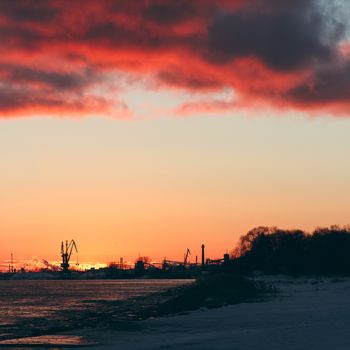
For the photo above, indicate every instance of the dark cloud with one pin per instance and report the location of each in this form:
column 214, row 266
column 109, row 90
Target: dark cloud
column 32, row 11
column 288, row 36
column 328, row 84
column 290, row 51
column 26, row 101
column 112, row 33
column 14, row 37
column 170, row 12
column 56, row 80
column 16, row 98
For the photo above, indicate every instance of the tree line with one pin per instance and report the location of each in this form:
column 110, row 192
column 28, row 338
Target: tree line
column 273, row 250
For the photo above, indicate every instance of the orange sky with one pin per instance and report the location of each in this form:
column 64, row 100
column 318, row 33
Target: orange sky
column 157, row 187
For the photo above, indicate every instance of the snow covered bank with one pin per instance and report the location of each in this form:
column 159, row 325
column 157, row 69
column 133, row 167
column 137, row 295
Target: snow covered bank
column 307, row 314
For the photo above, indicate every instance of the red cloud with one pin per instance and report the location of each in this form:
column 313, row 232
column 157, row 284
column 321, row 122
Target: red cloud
column 59, row 57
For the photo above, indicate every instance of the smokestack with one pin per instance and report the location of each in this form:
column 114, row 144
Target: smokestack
column 203, row 256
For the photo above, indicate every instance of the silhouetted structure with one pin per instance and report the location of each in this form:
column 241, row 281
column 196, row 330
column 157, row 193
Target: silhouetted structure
column 140, row 268
column 66, row 253
column 203, row 256
column 11, row 266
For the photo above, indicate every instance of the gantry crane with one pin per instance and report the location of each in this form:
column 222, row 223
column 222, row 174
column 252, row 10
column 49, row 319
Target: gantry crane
column 66, row 253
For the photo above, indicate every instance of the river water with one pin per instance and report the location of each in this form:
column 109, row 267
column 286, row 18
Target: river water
column 26, row 300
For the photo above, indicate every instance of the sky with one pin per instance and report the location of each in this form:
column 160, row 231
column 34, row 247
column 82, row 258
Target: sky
column 149, row 127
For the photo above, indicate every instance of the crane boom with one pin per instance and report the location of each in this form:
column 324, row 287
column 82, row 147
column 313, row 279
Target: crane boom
column 188, row 252
column 70, row 248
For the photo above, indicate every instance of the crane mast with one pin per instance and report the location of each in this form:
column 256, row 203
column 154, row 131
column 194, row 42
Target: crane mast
column 66, row 253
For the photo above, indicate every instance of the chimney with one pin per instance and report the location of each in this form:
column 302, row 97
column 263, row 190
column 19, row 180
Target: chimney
column 203, row 256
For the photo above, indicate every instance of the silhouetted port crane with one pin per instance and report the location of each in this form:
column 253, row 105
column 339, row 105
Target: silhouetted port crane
column 188, row 252
column 66, row 253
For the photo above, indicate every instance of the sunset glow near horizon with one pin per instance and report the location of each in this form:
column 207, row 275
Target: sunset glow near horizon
column 143, row 128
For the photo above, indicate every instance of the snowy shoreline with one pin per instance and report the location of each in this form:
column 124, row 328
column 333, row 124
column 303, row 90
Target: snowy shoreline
column 308, row 313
